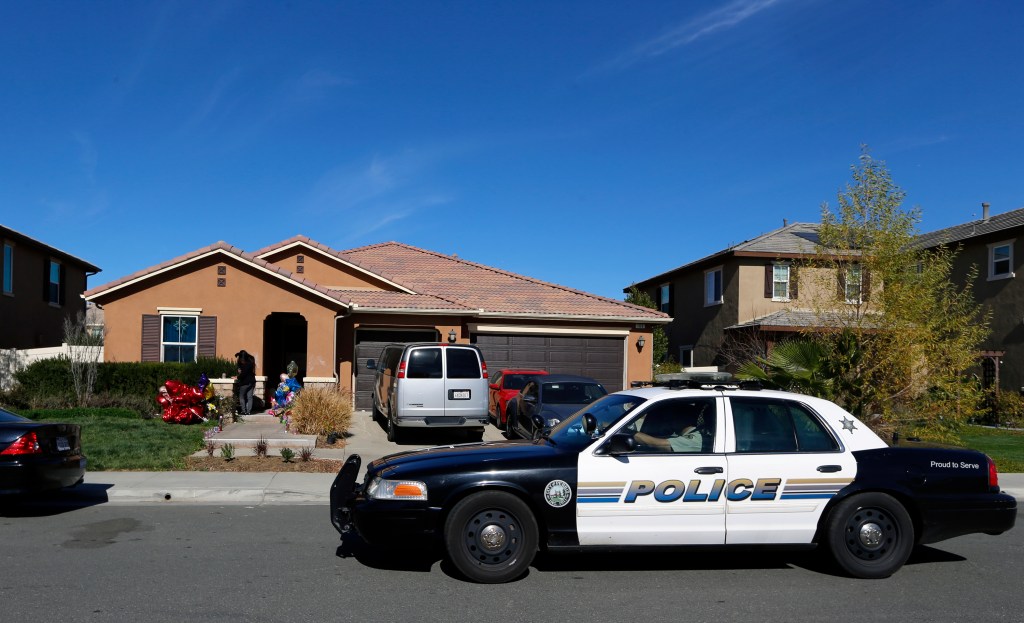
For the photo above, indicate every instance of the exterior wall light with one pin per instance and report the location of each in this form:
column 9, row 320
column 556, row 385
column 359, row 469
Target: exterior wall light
column 640, row 341
column 451, row 336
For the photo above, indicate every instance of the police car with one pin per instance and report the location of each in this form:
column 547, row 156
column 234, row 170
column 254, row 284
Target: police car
column 696, row 464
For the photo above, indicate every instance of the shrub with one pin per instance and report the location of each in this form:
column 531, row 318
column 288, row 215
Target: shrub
column 306, row 453
column 321, row 410
column 261, row 447
column 1007, row 410
column 287, row 454
column 227, row 451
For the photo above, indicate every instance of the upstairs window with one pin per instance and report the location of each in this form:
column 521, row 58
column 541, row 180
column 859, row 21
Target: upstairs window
column 780, row 282
column 8, row 269
column 665, row 298
column 713, row 287
column 54, row 285
column 179, row 341
column 1000, row 260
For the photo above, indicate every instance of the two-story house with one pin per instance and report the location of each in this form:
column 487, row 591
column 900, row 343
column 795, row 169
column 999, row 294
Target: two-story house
column 41, row 287
column 994, row 246
column 750, row 288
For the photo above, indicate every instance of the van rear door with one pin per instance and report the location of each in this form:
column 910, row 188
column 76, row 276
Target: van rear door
column 465, row 391
column 421, row 393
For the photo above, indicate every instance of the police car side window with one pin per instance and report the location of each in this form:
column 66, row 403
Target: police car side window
column 676, row 426
column 764, row 425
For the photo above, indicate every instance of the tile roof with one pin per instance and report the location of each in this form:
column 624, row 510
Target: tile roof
column 433, row 282
column 217, row 247
column 491, row 290
column 973, row 229
column 797, row 319
column 791, row 240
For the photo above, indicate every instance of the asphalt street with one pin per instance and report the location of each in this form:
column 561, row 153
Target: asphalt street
column 199, row 563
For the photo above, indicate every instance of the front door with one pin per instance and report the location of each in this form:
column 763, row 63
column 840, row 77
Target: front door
column 667, row 492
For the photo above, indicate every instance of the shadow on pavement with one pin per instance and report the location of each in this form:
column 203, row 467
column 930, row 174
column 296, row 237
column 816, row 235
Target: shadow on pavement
column 388, row 559
column 51, row 503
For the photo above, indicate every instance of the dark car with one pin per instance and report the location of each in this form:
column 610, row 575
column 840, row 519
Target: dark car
column 38, row 456
column 504, row 386
column 672, row 468
column 546, row 401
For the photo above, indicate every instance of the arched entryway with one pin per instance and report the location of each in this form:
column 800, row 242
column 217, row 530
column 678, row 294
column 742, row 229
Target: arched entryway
column 285, row 335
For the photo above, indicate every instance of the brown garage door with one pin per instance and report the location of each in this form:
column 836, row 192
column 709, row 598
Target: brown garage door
column 369, row 343
column 597, row 357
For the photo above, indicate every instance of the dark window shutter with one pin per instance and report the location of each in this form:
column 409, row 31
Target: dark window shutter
column 792, row 282
column 865, row 284
column 207, row 336
column 769, row 280
column 671, row 299
column 46, row 281
column 150, row 337
column 63, row 286
column 842, row 283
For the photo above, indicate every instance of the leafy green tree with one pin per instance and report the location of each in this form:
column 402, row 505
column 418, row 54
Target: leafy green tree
column 903, row 336
column 636, row 296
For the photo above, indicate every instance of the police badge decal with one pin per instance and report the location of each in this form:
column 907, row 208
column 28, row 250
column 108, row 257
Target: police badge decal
column 557, row 493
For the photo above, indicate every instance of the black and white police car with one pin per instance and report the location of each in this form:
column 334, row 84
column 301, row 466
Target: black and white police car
column 700, row 464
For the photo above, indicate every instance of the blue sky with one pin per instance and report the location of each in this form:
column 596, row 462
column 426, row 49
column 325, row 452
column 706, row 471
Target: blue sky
column 590, row 144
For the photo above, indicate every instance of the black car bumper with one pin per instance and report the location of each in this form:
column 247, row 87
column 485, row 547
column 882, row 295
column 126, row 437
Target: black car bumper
column 379, row 522
column 41, row 474
column 986, row 513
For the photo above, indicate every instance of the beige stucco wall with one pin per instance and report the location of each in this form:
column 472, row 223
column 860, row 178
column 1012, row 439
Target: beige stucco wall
column 324, row 270
column 248, row 297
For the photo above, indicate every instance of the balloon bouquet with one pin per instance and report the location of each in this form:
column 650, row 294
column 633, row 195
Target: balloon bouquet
column 187, row 404
column 286, row 391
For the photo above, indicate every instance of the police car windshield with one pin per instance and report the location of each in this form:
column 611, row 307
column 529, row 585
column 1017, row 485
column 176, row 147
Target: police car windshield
column 608, row 410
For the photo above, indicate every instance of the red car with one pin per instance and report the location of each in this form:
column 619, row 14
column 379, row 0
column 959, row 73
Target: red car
column 505, row 385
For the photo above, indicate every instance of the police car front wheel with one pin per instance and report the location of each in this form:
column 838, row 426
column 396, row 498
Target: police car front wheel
column 870, row 535
column 491, row 537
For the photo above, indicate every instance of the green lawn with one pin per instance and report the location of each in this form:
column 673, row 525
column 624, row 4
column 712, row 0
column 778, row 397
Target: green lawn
column 1006, row 447
column 118, row 439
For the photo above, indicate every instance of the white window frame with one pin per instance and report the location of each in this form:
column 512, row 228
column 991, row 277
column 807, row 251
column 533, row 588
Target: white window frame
column 665, row 297
column 787, row 281
column 53, row 296
column 686, row 356
column 848, row 281
column 1009, row 274
column 709, row 293
column 164, row 343
column 8, row 277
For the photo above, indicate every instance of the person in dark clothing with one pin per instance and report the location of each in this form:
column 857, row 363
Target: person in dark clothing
column 246, row 381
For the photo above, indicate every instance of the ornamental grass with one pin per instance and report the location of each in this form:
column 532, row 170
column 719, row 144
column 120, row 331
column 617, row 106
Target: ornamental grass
column 320, row 411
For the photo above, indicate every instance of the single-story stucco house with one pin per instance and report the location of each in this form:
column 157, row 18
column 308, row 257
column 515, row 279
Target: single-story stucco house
column 330, row 311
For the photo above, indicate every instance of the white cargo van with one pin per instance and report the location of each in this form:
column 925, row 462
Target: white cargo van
column 430, row 385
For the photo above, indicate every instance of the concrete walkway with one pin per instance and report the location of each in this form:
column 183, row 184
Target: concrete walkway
column 365, row 438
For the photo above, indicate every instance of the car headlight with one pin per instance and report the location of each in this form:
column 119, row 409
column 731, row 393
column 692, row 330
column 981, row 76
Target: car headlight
column 381, row 489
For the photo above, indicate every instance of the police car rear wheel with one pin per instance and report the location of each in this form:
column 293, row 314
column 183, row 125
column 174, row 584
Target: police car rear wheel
column 491, row 537
column 870, row 535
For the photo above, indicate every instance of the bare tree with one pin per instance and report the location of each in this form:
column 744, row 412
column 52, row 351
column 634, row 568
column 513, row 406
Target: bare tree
column 85, row 347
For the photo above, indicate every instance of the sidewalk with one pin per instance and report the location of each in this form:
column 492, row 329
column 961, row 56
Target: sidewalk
column 366, row 438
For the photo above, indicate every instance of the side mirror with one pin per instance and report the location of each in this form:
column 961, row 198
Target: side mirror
column 371, row 364
column 493, row 386
column 538, row 422
column 619, row 443
column 589, row 423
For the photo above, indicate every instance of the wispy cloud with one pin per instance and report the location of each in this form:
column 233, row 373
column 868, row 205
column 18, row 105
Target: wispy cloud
column 374, row 194
column 688, row 32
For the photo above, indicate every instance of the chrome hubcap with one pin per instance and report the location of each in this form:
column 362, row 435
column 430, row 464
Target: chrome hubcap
column 492, row 538
column 870, row 535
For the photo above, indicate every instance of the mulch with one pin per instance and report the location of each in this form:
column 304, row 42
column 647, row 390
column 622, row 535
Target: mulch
column 261, row 464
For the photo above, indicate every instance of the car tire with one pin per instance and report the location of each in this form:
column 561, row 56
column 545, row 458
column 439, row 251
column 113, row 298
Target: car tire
column 491, row 537
column 499, row 422
column 376, row 414
column 510, row 422
column 393, row 434
column 870, row 535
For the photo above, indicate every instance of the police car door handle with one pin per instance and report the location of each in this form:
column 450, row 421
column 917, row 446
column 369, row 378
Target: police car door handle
column 708, row 470
column 828, row 469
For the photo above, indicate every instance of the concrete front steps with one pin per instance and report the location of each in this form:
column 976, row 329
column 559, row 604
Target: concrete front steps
column 252, row 428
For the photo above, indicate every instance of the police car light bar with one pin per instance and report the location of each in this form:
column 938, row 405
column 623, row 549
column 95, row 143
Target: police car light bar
column 698, row 380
